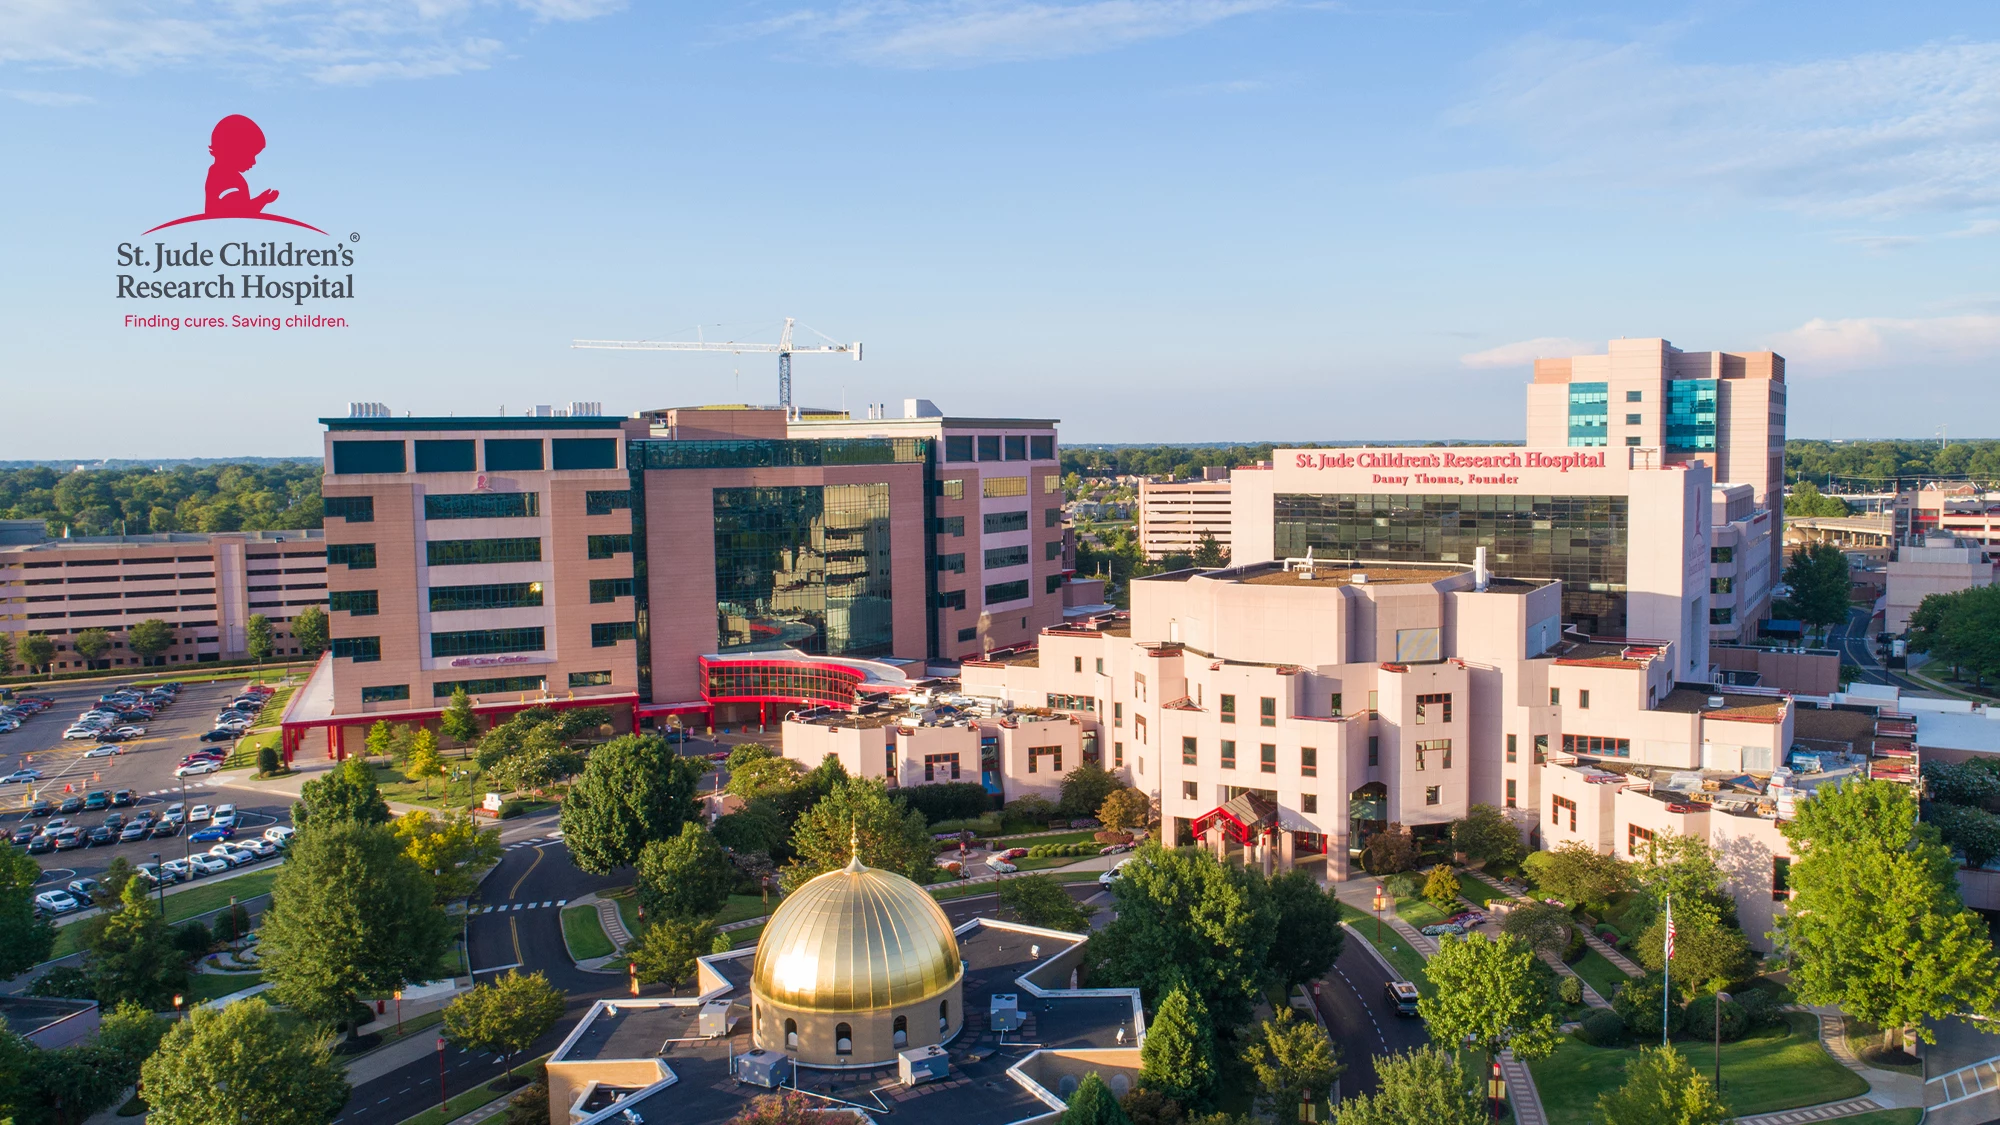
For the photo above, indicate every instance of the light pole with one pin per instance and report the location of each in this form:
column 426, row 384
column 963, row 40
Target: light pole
column 399, row 1013
column 1378, row 914
column 443, row 1106
column 1496, row 1089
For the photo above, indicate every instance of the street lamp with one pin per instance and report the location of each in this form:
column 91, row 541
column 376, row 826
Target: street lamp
column 399, row 1013
column 1496, row 1088
column 442, row 1100
column 1378, row 914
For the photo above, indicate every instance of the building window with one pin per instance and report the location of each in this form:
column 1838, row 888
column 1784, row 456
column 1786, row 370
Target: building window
column 1723, row 616
column 944, row 1016
column 603, row 503
column 1511, row 748
column 360, row 603
column 361, row 650
column 1139, row 729
column 807, row 561
column 1721, row 554
column 1440, row 746
column 1037, row 753
column 1188, row 791
column 1077, row 663
column 499, row 685
column 353, row 509
column 1583, row 699
column 1631, row 439
column 843, row 1039
column 953, row 489
column 1000, row 592
column 604, row 634
column 1017, row 447
column 989, row 447
column 1555, row 697
column 353, row 556
column 1596, row 745
column 1228, row 707
column 1541, row 748
column 999, row 558
column 952, row 526
column 955, row 599
column 482, row 505
column 1638, row 841
column 1267, row 712
column 387, row 693
column 568, row 454
column 483, row 642
column 1117, row 714
column 791, row 1035
column 589, row 679
column 350, row 457
column 1309, row 803
column 472, row 552
column 935, row 764
column 1042, row 448
column 958, row 447
column 1189, row 755
column 1052, row 550
column 994, row 488
column 1267, row 758
column 1118, row 754
column 996, row 523
column 1634, row 396
column 899, row 1033
column 1781, row 878
column 1100, row 666
column 1139, row 685
column 970, row 632
column 513, row 455
column 1228, row 754
column 1558, row 806
column 496, row 595
column 1308, row 761
column 1431, row 796
column 1631, row 419
column 1437, row 706
column 1060, row 702
column 1333, row 705
column 1510, row 793
column 605, row 546
column 1374, row 749
column 609, row 589
column 1722, row 585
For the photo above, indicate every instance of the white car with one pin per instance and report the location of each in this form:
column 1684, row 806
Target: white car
column 199, row 813
column 233, row 855
column 1111, row 876
column 194, row 769
column 21, row 777
column 205, row 864
column 73, row 734
column 225, row 816
column 180, row 869
column 258, row 846
column 57, row 902
column 129, row 730
column 176, row 812
column 105, row 751
column 280, row 835
column 1001, row 866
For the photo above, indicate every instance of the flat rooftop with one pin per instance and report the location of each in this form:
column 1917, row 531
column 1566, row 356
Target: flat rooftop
column 1605, row 654
column 1340, row 574
column 28, row 1014
column 1838, row 728
column 1742, row 708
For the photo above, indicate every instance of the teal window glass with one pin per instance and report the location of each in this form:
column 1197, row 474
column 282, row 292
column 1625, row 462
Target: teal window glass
column 605, row 546
column 596, row 503
column 487, row 642
column 755, row 453
column 1052, row 583
column 351, row 457
column 513, row 455
column 361, row 650
column 1589, row 414
column 454, row 455
column 610, row 589
column 1691, row 415
column 607, row 633
column 1006, row 592
column 951, row 564
column 482, row 505
column 470, row 552
column 387, row 693
column 353, row 556
column 353, row 509
column 499, row 595
column 583, row 453
column 360, row 603
column 805, row 567
column 495, row 686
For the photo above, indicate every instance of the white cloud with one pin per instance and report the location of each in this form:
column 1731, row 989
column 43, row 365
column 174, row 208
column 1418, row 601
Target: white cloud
column 49, row 98
column 1830, row 345
column 937, row 33
column 1882, row 134
column 337, row 41
column 1525, row 352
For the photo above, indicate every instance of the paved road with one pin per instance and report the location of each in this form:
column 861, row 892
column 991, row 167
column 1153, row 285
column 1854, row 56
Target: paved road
column 1360, row 1018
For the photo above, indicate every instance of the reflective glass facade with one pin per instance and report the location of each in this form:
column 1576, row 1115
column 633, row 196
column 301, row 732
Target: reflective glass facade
column 779, row 681
column 482, row 505
column 1691, row 415
column 804, row 567
column 1578, row 539
column 1589, row 414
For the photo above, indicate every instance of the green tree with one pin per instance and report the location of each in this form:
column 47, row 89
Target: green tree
column 505, row 1016
column 1575, row 873
column 688, row 876
column 1684, row 868
column 1308, row 936
column 424, row 763
column 385, row 739
column 1389, row 851
column 1441, row 887
column 1821, row 588
column 351, row 915
column 1293, row 1062
column 1127, row 810
column 347, row 792
column 1876, row 925
column 6, row 657
column 458, row 722
column 25, row 940
column 1961, row 629
column 1975, row 783
column 634, row 790
column 1184, row 917
column 669, row 947
column 1487, row 837
column 452, row 850
column 893, row 836
column 1209, row 554
column 1040, row 900
column 242, row 1064
column 1542, row 927
column 1495, row 993
column 309, row 629
column 1084, row 790
column 1804, row 500
column 1424, row 1084
column 69, row 1086
column 761, row 775
column 1178, row 1057
column 1662, row 1089
column 257, row 638
column 1706, row 948
column 132, row 1032
column 1093, row 1104
column 92, row 644
column 150, row 638
column 1150, row 1107
column 269, row 763
column 1972, row 832
column 131, row 956
column 36, row 651
column 756, row 827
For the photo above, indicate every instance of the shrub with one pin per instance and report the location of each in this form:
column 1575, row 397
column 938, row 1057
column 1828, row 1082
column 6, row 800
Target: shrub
column 511, row 809
column 1403, row 884
column 1602, row 1028
column 63, row 981
column 1113, row 838
column 1570, row 991
column 1573, row 949
column 194, row 938
column 1030, row 808
column 268, row 760
column 1759, row 1006
column 1699, row 1018
column 1638, row 1004
column 954, row 800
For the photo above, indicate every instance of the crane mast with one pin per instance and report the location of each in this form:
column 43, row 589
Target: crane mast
column 784, row 349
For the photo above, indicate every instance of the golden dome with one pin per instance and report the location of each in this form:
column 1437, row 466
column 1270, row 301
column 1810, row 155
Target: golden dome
column 855, row 940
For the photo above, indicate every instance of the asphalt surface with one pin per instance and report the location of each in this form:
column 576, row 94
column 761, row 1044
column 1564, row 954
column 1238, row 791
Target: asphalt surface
column 1359, row 1017
column 144, row 765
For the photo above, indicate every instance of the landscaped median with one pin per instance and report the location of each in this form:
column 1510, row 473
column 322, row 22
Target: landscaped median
column 188, row 902
column 457, row 1106
column 583, row 934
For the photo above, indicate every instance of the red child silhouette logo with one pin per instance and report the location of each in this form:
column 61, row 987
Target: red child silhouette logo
column 235, row 145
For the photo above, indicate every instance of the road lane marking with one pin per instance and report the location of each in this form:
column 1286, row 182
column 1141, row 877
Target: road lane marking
column 497, row 969
column 514, row 925
column 516, row 888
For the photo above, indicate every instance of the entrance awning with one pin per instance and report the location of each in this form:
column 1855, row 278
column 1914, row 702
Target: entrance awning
column 1244, row 816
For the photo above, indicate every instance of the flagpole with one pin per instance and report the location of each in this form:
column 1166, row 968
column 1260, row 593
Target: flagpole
column 1667, row 972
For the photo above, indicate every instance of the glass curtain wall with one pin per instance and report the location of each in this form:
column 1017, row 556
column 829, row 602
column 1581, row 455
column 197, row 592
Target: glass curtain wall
column 804, row 567
column 1578, row 539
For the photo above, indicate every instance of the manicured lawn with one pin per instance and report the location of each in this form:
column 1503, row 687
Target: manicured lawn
column 459, row 1105
column 1083, row 837
column 740, row 907
column 1407, row 962
column 584, row 933
column 1599, row 973
column 1419, row 913
column 1865, row 1038
column 1769, row 1070
column 748, row 935
column 209, row 986
column 202, row 898
column 1043, row 863
column 1479, row 890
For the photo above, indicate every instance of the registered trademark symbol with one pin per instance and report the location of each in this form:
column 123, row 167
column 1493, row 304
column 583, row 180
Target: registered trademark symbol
column 353, row 238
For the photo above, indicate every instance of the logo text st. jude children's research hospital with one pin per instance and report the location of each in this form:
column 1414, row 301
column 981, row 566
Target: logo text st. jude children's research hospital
column 162, row 271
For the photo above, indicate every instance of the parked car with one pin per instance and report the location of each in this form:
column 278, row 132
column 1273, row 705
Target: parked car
column 225, row 815
column 115, row 821
column 123, row 797
column 199, row 813
column 57, row 902
column 96, row 836
column 150, row 872
column 137, row 830
column 195, row 769
column 70, row 805
column 69, row 838
column 78, row 733
column 180, row 869
column 212, row 833
column 206, row 864
column 85, row 890
column 42, row 808
column 176, row 812
column 280, row 835
column 104, row 751
column 128, row 731
column 23, row 833
column 40, row 844
column 236, row 855
column 21, row 777
column 56, row 825
column 97, row 799
column 220, row 735
column 166, row 828
column 1117, row 869
column 1402, row 997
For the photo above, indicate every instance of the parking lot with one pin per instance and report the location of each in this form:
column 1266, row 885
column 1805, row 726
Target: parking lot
column 145, row 766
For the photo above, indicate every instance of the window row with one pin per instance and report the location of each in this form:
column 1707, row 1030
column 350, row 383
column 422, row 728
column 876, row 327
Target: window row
column 472, row 552
column 487, row 642
column 1000, row 557
column 361, row 650
column 499, row 685
column 482, row 505
column 1000, row 447
column 456, row 455
column 1593, row 744
column 360, row 603
column 496, row 595
column 353, row 509
column 604, row 634
column 609, row 589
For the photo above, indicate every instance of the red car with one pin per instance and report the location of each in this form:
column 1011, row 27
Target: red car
column 1013, row 853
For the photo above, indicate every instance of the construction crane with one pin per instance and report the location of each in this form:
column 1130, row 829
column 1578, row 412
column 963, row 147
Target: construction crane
column 783, row 347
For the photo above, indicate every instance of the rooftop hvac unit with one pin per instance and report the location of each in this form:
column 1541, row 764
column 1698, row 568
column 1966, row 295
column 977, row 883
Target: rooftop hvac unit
column 768, row 1069
column 586, row 410
column 922, row 1064
column 1004, row 1012
column 1715, row 701
column 542, row 412
column 367, row 410
column 716, row 1016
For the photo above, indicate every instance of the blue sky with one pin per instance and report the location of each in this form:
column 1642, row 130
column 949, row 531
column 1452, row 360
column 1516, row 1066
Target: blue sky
column 1173, row 220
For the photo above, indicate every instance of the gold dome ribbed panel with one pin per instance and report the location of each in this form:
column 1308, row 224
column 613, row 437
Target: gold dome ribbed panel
column 854, row 940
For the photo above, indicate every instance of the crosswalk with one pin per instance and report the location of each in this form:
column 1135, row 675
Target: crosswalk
column 502, row 908
column 532, row 842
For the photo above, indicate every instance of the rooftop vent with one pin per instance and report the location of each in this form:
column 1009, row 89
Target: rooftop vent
column 1360, row 578
column 1715, row 701
column 367, row 410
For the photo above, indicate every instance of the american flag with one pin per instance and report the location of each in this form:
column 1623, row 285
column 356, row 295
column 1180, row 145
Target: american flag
column 1670, row 931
